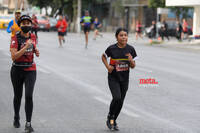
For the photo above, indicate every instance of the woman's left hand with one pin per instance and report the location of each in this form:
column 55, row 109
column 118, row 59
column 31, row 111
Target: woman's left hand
column 130, row 57
column 37, row 52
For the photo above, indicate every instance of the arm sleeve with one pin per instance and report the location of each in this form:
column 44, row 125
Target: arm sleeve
column 107, row 52
column 13, row 43
column 9, row 26
column 133, row 54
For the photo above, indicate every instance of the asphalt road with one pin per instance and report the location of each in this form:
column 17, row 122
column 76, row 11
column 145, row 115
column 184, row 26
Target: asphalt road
column 72, row 95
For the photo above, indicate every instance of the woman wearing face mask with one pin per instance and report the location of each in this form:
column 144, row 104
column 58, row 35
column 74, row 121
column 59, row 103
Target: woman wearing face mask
column 122, row 58
column 23, row 71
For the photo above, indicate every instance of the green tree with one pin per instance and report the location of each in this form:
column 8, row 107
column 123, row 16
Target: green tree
column 41, row 3
column 64, row 6
column 181, row 11
column 54, row 4
column 156, row 3
column 118, row 6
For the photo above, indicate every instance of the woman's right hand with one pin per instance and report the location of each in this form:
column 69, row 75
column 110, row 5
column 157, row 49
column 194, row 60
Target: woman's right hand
column 28, row 43
column 110, row 68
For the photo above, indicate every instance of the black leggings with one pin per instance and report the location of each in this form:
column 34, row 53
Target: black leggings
column 18, row 78
column 118, row 90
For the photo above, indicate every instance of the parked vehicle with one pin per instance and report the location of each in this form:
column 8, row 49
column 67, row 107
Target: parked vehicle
column 43, row 23
column 53, row 23
column 172, row 25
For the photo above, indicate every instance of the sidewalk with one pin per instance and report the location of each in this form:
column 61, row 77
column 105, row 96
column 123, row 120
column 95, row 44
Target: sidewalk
column 185, row 44
column 172, row 43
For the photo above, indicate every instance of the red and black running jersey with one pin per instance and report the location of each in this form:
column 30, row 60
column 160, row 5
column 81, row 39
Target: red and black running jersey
column 119, row 60
column 18, row 42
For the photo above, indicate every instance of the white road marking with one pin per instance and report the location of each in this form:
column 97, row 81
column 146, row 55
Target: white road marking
column 89, row 87
column 155, row 117
column 127, row 109
column 124, row 110
column 39, row 68
column 97, row 91
column 143, row 69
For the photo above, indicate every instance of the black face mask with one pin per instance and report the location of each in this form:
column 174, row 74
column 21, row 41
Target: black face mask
column 26, row 29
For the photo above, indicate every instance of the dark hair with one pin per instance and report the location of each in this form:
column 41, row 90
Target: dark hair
column 119, row 30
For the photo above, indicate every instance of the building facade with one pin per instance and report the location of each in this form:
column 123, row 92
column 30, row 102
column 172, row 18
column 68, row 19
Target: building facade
column 196, row 14
column 9, row 6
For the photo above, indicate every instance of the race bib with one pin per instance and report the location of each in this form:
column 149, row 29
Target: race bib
column 122, row 66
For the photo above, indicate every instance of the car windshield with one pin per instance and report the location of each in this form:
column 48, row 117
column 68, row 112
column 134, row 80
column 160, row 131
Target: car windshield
column 41, row 18
column 53, row 20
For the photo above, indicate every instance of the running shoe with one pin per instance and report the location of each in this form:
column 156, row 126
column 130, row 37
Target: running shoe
column 28, row 128
column 110, row 124
column 116, row 128
column 16, row 123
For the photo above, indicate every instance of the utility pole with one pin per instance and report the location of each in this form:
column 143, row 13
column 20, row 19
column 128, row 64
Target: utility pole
column 78, row 16
column 127, row 17
column 16, row 5
column 21, row 4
